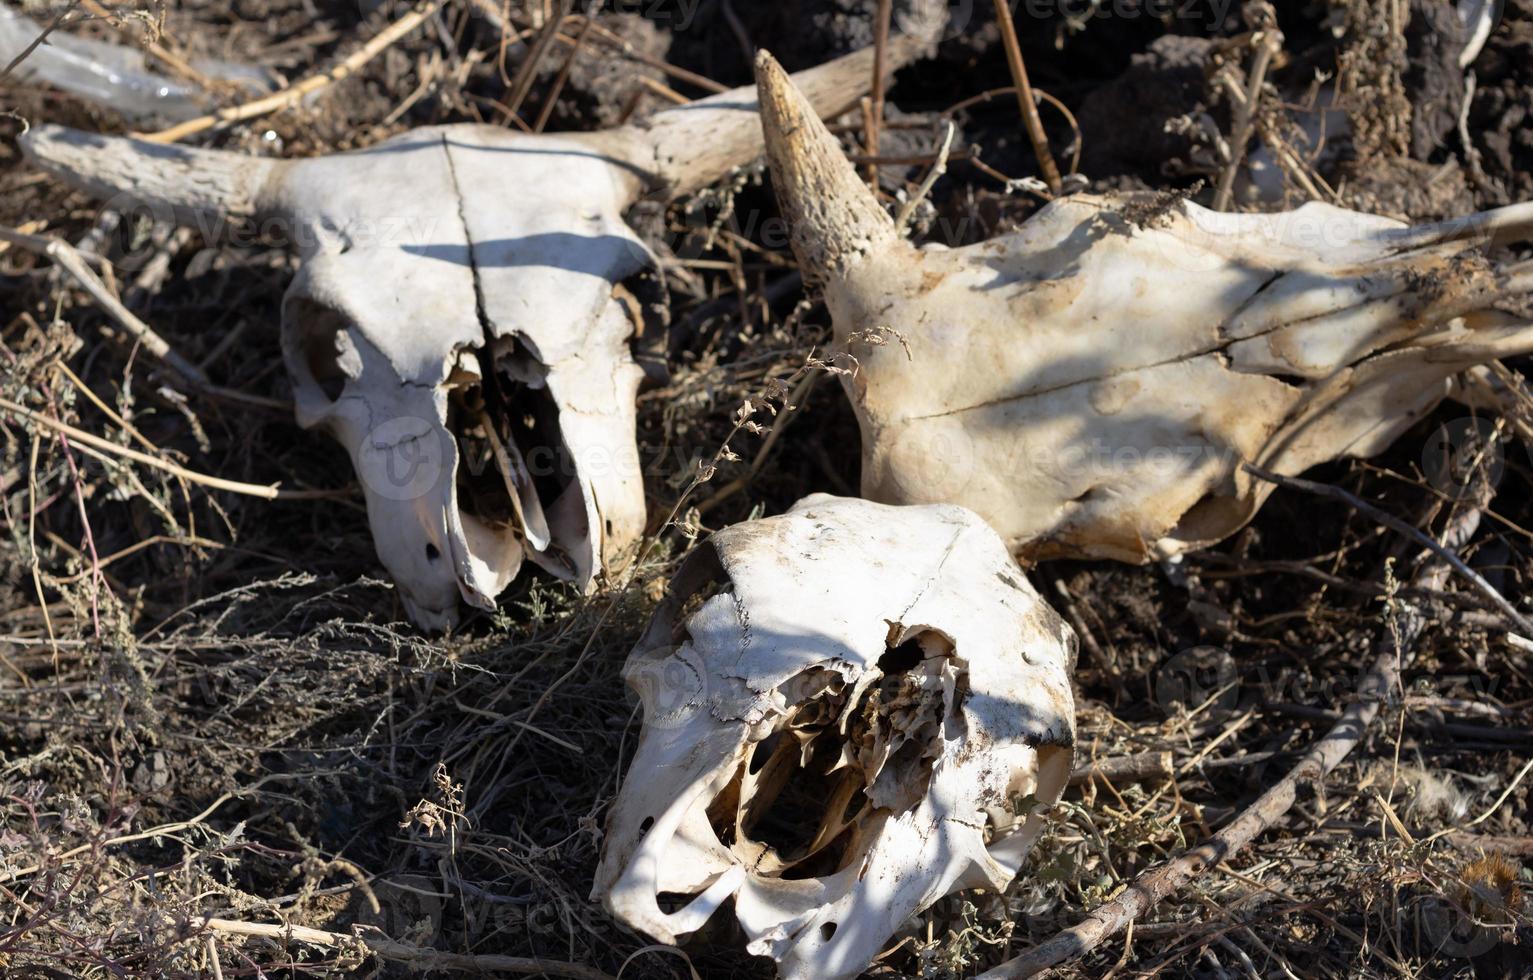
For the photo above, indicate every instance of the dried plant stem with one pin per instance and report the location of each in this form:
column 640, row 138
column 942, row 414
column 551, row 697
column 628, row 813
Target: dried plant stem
column 171, row 60
column 294, row 94
column 1268, row 41
column 788, row 412
column 68, row 258
column 85, row 442
column 564, row 74
column 527, row 71
column 1025, row 98
column 1391, row 521
column 616, row 43
column 161, row 830
column 939, row 167
column 874, row 118
column 26, row 52
column 418, row 958
column 1382, row 678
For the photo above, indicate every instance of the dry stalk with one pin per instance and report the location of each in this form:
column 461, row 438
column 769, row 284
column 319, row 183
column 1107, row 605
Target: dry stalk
column 1268, row 41
column 417, row 958
column 294, row 94
column 105, row 450
column 1381, row 680
column 1025, row 99
column 874, row 119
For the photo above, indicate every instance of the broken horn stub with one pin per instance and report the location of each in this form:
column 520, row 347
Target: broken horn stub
column 1092, row 383
column 459, row 321
column 850, row 711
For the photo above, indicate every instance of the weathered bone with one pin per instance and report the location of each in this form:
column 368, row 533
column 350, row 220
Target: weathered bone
column 460, row 279
column 848, row 712
column 1092, row 383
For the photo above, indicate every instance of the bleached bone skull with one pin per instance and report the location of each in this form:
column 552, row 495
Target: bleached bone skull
column 457, row 321
column 848, row 710
column 1092, row 383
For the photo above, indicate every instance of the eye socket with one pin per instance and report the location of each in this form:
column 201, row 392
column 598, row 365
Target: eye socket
column 318, row 336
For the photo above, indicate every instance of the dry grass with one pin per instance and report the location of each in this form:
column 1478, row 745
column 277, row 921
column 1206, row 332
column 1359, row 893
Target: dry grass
column 210, row 706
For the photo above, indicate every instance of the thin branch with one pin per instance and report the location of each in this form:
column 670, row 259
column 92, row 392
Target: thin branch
column 1268, row 41
column 1138, row 768
column 939, row 167
column 1391, row 521
column 104, row 449
column 874, row 119
column 564, row 73
column 419, row 958
column 26, row 52
column 1025, row 98
column 527, row 71
column 68, row 258
column 1150, row 887
column 294, row 94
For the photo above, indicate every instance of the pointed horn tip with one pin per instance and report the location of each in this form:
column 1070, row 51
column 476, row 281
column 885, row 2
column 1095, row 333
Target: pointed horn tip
column 785, row 112
column 775, row 90
column 766, row 64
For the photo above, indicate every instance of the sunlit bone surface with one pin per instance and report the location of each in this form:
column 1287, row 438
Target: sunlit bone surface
column 1091, row 383
column 456, row 321
column 846, row 711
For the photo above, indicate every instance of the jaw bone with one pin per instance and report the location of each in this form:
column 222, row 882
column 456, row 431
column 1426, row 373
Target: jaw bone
column 1092, row 383
column 456, row 321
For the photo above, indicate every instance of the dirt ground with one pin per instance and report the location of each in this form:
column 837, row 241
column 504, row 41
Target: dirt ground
column 212, row 706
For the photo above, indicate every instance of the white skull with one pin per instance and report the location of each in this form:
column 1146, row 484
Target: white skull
column 457, row 321
column 848, row 711
column 1092, row 383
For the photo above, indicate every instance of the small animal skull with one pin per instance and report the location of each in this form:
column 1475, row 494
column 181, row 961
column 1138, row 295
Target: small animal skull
column 848, row 711
column 458, row 320
column 1092, row 383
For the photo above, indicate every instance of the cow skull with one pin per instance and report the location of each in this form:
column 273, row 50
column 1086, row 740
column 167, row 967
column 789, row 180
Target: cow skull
column 1092, row 383
column 848, row 713
column 457, row 321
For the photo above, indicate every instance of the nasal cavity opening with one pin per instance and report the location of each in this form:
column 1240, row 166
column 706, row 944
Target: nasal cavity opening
column 804, row 800
column 515, row 470
column 325, row 350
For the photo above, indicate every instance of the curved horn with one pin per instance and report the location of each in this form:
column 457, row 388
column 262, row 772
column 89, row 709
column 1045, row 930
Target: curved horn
column 835, row 219
column 686, row 148
column 197, row 184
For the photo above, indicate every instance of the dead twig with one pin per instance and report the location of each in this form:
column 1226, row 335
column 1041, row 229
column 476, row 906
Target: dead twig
column 527, row 71
column 294, row 94
column 564, row 73
column 1025, row 98
column 72, row 261
column 106, row 450
column 1141, row 767
column 874, row 117
column 419, row 958
column 1268, row 41
column 1150, row 887
column 26, row 52
column 1394, row 523
column 939, row 167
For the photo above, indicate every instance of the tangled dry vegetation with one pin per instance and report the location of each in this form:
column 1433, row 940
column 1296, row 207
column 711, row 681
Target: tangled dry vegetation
column 223, row 752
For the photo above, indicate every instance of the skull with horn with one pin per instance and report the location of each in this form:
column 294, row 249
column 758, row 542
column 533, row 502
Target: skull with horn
column 1093, row 383
column 463, row 282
